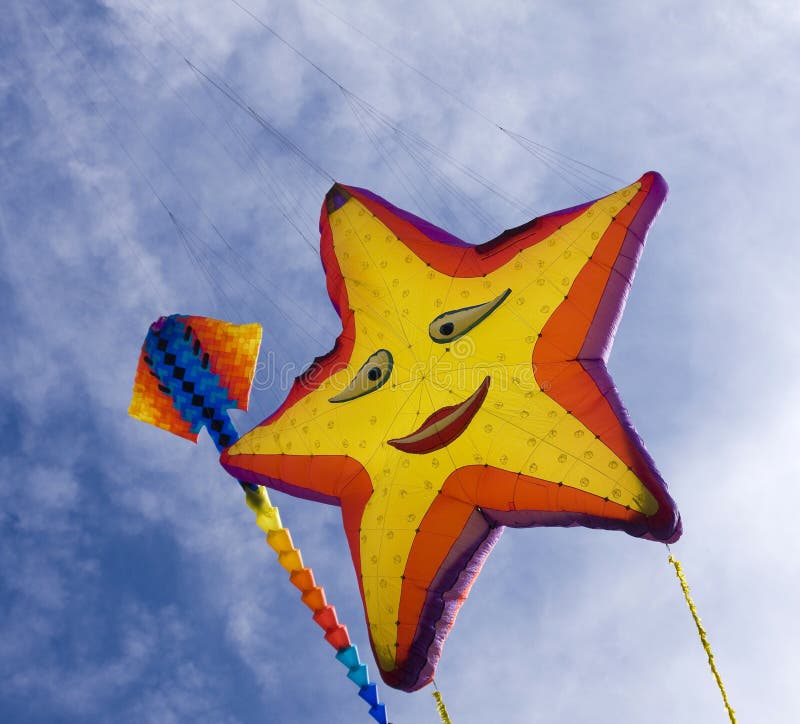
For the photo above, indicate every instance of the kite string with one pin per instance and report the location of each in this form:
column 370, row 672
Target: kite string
column 440, row 707
column 702, row 633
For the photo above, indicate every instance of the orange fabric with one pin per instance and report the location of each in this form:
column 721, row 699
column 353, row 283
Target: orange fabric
column 151, row 405
column 303, row 579
column 432, row 543
column 233, row 361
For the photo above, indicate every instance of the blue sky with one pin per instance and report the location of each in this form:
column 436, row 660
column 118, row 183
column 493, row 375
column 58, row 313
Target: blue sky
column 135, row 586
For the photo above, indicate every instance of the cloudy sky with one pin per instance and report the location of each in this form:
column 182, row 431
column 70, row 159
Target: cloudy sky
column 134, row 584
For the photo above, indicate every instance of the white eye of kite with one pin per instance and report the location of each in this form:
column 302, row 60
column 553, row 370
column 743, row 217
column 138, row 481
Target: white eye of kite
column 374, row 373
column 456, row 323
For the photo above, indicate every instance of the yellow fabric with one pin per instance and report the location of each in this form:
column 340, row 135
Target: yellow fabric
column 703, row 636
column 291, row 560
column 268, row 517
column 280, row 540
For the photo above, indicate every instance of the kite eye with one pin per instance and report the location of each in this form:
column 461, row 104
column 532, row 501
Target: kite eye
column 374, row 373
column 452, row 325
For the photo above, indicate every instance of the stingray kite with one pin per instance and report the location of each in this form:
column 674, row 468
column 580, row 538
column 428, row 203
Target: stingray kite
column 467, row 392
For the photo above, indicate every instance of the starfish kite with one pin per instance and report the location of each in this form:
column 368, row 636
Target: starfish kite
column 467, row 392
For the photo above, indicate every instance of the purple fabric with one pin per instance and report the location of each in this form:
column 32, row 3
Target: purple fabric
column 542, row 518
column 426, row 227
column 600, row 336
column 597, row 346
column 659, row 527
column 455, row 576
column 248, row 476
column 336, row 198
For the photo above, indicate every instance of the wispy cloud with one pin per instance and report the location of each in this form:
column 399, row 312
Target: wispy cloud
column 134, row 585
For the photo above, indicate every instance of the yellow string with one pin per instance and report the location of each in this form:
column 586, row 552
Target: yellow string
column 441, row 708
column 703, row 636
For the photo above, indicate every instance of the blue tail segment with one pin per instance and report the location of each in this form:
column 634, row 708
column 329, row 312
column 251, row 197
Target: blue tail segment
column 357, row 673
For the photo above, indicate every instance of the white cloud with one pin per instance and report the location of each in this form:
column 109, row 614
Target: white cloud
column 133, row 579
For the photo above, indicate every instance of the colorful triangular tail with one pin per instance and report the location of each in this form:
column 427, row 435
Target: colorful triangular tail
column 191, row 371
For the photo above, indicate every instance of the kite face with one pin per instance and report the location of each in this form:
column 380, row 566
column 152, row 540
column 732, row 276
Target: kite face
column 467, row 392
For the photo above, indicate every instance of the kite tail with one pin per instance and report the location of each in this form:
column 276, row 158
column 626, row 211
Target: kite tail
column 703, row 636
column 280, row 540
column 191, row 372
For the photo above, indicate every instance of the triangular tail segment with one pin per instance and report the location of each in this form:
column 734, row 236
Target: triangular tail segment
column 191, row 371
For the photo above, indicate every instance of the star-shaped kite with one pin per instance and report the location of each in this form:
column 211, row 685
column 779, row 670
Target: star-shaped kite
column 468, row 391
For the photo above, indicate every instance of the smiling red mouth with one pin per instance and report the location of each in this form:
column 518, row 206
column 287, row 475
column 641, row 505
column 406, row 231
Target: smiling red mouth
column 444, row 425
